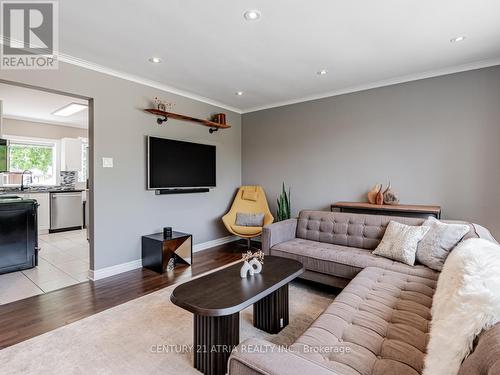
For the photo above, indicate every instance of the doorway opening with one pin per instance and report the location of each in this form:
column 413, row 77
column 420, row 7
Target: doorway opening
column 46, row 164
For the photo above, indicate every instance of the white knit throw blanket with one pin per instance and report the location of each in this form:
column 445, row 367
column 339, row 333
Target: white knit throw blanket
column 467, row 300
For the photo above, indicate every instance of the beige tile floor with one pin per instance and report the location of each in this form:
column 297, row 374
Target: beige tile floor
column 62, row 261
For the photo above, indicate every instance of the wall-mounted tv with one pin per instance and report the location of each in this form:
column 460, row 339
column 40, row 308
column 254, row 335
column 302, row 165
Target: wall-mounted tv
column 179, row 164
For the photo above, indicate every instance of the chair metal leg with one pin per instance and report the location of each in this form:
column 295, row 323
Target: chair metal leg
column 248, row 243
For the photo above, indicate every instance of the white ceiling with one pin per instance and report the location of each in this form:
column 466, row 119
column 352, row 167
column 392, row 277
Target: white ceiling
column 209, row 50
column 33, row 105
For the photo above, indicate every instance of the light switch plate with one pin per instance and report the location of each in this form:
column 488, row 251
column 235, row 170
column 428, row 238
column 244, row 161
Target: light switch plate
column 107, row 162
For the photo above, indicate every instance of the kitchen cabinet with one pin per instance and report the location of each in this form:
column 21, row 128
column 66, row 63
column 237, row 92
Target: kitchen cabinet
column 71, row 154
column 43, row 211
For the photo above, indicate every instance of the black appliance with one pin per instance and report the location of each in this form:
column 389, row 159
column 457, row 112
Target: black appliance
column 18, row 234
column 179, row 164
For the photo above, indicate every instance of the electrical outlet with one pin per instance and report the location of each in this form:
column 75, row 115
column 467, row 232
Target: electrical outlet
column 107, row 162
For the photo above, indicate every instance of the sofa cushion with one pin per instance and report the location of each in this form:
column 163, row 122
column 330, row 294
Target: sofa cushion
column 381, row 319
column 341, row 261
column 485, row 359
column 354, row 230
column 359, row 230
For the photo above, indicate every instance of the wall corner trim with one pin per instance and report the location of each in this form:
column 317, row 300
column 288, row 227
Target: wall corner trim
column 102, row 273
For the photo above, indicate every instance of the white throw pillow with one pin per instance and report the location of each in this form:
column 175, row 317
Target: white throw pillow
column 400, row 242
column 434, row 248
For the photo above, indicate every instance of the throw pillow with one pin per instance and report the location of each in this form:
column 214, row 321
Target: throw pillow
column 400, row 242
column 434, row 248
column 250, row 195
column 249, row 220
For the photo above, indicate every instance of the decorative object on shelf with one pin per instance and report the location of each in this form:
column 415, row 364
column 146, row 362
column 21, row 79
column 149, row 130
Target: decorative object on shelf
column 162, row 105
column 163, row 116
column 252, row 263
column 219, row 118
column 372, row 194
column 284, row 207
column 390, row 197
column 167, row 232
column 379, row 199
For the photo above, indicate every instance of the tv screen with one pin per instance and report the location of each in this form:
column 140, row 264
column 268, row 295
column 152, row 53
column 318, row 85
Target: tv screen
column 178, row 164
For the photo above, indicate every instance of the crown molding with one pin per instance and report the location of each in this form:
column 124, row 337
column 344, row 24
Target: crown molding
column 42, row 121
column 143, row 81
column 388, row 82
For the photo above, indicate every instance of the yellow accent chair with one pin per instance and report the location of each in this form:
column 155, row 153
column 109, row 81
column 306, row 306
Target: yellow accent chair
column 249, row 200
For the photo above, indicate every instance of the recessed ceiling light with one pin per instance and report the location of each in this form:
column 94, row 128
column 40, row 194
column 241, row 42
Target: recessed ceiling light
column 322, row 72
column 155, row 60
column 238, row 93
column 457, row 39
column 70, row 109
column 251, row 15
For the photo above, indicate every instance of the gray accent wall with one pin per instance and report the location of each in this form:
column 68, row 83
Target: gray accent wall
column 123, row 208
column 435, row 139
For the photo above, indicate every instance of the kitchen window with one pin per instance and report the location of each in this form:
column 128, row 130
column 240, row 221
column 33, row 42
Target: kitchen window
column 37, row 157
column 82, row 175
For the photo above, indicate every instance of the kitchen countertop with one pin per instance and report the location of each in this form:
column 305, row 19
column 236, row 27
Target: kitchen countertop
column 34, row 190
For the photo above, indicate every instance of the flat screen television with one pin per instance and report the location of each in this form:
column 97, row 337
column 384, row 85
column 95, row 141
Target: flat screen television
column 179, row 164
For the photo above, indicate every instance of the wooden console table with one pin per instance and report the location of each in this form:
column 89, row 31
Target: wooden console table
column 386, row 209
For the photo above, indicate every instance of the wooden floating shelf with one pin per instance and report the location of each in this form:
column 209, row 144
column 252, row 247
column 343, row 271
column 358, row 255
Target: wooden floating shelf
column 164, row 116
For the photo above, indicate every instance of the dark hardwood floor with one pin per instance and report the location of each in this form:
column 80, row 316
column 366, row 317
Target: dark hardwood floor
column 33, row 316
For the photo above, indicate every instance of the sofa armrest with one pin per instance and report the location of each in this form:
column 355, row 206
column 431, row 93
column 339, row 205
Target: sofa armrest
column 259, row 357
column 275, row 233
column 484, row 233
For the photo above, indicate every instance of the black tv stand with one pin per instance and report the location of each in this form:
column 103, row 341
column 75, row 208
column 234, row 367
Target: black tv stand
column 181, row 191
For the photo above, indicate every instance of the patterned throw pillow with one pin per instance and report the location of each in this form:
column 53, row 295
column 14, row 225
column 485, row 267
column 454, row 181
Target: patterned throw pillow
column 400, row 242
column 249, row 220
column 433, row 250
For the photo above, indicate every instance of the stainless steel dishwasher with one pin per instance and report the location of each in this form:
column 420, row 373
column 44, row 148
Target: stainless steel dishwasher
column 66, row 211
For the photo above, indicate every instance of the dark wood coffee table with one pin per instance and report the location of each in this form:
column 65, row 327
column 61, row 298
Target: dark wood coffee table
column 217, row 299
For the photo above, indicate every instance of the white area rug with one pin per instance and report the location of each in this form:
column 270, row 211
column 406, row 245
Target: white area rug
column 120, row 340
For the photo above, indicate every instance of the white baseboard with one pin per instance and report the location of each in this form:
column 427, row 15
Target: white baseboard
column 213, row 243
column 114, row 270
column 129, row 266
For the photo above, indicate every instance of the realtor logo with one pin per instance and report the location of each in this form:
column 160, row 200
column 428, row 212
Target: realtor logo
column 29, row 35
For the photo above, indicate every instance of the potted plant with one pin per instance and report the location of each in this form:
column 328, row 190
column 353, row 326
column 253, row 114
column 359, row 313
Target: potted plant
column 284, row 207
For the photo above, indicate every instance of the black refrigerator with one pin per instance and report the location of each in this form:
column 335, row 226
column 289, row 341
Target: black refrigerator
column 18, row 234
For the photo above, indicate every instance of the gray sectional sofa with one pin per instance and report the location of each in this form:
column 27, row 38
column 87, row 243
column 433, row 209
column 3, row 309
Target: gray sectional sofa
column 378, row 324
